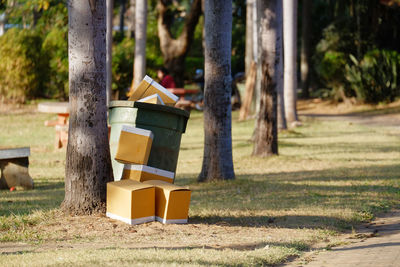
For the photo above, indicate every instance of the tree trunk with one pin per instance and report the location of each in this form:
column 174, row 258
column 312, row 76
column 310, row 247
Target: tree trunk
column 282, row 125
column 217, row 160
column 266, row 133
column 139, row 65
column 88, row 164
column 305, row 48
column 132, row 18
column 109, row 40
column 290, row 57
column 122, row 17
column 249, row 37
column 175, row 48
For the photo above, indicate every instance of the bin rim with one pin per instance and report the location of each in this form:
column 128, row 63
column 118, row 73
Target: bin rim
column 149, row 106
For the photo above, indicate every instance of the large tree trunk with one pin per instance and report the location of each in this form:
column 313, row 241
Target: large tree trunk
column 139, row 65
column 249, row 37
column 217, row 160
column 282, row 125
column 290, row 58
column 174, row 50
column 266, row 133
column 305, row 48
column 88, row 164
column 109, row 40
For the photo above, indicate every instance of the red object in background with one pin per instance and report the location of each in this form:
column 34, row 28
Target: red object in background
column 168, row 82
column 12, row 189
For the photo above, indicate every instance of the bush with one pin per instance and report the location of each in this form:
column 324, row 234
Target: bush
column 375, row 78
column 55, row 47
column 122, row 65
column 23, row 70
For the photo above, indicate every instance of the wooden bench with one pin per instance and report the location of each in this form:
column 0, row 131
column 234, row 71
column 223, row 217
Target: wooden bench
column 61, row 124
column 14, row 163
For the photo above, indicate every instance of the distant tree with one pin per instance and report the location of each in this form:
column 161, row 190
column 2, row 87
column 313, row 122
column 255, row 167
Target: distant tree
column 174, row 50
column 139, row 65
column 88, row 164
column 266, row 132
column 290, row 58
column 217, row 159
column 305, row 47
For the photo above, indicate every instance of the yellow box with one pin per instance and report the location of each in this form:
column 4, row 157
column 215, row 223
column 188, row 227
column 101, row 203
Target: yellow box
column 143, row 173
column 130, row 201
column 172, row 202
column 168, row 98
column 152, row 99
column 142, row 87
column 134, row 145
column 148, row 87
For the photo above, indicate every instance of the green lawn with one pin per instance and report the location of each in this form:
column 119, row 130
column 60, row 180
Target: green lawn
column 329, row 177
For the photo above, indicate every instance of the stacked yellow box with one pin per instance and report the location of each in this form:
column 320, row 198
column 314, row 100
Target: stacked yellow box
column 148, row 87
column 145, row 193
column 172, row 202
column 130, row 201
column 134, row 145
column 143, row 173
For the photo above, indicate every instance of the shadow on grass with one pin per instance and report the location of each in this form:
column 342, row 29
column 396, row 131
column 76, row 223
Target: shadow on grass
column 360, row 192
column 45, row 196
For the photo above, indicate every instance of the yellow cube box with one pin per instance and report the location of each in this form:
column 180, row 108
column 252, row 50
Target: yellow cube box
column 143, row 173
column 130, row 201
column 152, row 99
column 134, row 145
column 167, row 97
column 172, row 202
column 142, row 87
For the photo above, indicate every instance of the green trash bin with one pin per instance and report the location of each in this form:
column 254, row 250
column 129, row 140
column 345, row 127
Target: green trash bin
column 166, row 123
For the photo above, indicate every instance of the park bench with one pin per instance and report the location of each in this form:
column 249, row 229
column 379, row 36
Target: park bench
column 61, row 124
column 14, row 164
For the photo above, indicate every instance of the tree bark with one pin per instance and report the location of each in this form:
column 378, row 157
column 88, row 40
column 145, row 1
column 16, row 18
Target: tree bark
column 217, row 159
column 109, row 40
column 266, row 132
column 305, row 48
column 88, row 164
column 139, row 65
column 174, row 50
column 290, row 58
column 282, row 124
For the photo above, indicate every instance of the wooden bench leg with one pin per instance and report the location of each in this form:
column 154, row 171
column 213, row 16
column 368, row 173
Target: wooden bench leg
column 14, row 173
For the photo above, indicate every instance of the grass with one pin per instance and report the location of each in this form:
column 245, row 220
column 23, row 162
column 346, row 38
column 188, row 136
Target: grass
column 329, row 177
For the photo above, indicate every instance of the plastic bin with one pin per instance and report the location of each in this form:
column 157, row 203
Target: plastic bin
column 166, row 123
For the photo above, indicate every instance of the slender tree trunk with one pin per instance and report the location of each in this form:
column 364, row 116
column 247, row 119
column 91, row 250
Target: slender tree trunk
column 290, row 58
column 305, row 48
column 217, row 160
column 132, row 16
column 266, row 133
column 122, row 17
column 88, row 164
column 174, row 50
column 109, row 40
column 139, row 65
column 282, row 125
column 2, row 24
column 249, row 37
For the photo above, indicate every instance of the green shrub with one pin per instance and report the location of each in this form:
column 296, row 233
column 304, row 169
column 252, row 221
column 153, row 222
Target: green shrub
column 375, row 78
column 55, row 47
column 23, row 70
column 122, row 65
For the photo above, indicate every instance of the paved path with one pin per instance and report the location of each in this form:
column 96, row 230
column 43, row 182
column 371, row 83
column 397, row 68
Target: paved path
column 377, row 244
